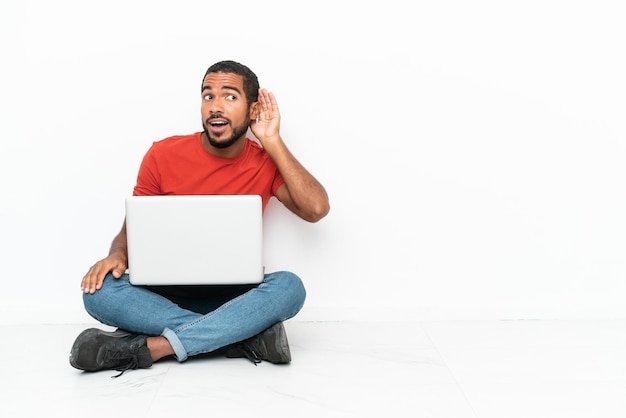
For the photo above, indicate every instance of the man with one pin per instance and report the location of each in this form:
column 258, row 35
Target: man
column 153, row 323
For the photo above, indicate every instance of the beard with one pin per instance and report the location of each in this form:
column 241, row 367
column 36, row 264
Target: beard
column 238, row 133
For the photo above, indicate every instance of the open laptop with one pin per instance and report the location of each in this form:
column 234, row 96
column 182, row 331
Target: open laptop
column 194, row 240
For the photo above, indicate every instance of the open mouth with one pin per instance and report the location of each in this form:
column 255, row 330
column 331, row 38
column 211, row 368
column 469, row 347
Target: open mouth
column 217, row 125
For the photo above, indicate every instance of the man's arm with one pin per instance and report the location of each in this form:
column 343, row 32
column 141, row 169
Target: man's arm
column 301, row 192
column 116, row 262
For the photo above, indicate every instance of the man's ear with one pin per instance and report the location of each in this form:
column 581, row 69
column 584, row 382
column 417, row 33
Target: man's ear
column 254, row 110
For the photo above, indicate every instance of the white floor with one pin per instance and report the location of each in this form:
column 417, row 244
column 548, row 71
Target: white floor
column 455, row 369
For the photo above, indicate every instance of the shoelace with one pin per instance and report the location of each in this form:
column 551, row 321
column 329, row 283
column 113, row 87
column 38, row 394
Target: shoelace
column 112, row 357
column 249, row 353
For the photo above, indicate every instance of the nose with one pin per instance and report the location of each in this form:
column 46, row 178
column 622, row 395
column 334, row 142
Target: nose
column 216, row 105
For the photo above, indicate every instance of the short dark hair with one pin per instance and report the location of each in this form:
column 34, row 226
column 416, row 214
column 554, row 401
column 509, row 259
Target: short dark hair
column 250, row 81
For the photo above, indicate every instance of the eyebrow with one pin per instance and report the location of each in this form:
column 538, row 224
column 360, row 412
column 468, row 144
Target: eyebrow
column 206, row 87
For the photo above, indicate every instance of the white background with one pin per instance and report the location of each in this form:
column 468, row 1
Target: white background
column 473, row 151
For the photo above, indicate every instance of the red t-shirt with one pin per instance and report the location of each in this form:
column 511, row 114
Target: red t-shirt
column 179, row 165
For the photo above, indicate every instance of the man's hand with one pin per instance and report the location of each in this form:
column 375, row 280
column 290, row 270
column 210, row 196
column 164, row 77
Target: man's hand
column 266, row 127
column 92, row 281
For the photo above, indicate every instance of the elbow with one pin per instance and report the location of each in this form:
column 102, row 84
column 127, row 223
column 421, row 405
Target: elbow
column 318, row 212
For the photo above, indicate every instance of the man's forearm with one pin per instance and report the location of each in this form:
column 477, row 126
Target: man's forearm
column 119, row 246
column 307, row 194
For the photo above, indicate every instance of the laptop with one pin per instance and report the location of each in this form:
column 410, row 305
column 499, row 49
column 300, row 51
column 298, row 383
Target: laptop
column 194, row 240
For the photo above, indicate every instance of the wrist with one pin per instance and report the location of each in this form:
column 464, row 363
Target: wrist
column 119, row 252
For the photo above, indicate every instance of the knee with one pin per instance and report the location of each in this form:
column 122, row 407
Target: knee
column 92, row 301
column 297, row 288
column 292, row 287
column 102, row 298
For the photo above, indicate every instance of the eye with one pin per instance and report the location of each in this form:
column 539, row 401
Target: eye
column 231, row 97
column 207, row 97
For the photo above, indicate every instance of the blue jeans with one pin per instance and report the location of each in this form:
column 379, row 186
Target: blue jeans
column 201, row 321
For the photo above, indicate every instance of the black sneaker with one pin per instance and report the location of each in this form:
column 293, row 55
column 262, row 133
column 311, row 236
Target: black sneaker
column 119, row 350
column 270, row 345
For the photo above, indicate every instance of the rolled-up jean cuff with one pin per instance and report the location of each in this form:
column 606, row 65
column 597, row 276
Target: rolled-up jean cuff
column 179, row 350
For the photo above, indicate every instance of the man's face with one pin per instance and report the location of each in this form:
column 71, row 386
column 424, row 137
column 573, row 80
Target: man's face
column 225, row 111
